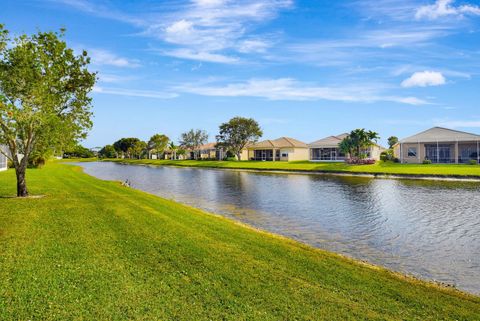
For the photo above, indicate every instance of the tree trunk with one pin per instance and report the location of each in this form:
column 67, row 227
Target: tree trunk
column 239, row 156
column 21, row 182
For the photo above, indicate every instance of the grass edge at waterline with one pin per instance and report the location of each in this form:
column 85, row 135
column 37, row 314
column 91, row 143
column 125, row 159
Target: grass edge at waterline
column 378, row 169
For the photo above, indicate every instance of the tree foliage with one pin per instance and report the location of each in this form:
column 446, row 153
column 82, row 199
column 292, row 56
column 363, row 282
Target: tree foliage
column 357, row 142
column 173, row 149
column 193, row 139
column 124, row 146
column 108, row 151
column 235, row 134
column 138, row 150
column 44, row 102
column 392, row 140
column 158, row 143
column 78, row 151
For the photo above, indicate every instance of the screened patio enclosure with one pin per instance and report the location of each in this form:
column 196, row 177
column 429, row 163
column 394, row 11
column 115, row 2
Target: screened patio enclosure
column 445, row 153
column 265, row 155
column 326, row 154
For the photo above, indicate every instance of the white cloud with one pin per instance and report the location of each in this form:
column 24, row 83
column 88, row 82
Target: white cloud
column 290, row 89
column 253, row 45
column 209, row 3
column 212, row 27
column 134, row 93
column 105, row 57
column 444, row 8
column 200, row 56
column 424, row 79
column 112, row 78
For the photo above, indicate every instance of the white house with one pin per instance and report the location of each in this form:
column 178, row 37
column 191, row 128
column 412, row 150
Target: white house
column 3, row 158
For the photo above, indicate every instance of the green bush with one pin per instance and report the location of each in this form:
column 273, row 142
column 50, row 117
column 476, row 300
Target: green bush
column 231, row 159
column 427, row 161
column 473, row 162
column 384, row 156
column 36, row 162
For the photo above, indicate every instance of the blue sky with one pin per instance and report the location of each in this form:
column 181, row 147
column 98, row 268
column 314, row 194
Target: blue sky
column 304, row 69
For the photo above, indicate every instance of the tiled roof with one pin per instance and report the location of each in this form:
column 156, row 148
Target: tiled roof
column 208, row 146
column 328, row 142
column 282, row 142
column 440, row 134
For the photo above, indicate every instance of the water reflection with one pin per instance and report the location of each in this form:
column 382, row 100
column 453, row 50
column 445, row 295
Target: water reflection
column 427, row 228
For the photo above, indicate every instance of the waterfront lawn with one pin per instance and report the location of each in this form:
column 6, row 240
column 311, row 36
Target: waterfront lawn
column 387, row 168
column 95, row 250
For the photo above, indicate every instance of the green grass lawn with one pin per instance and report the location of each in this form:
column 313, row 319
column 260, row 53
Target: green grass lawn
column 339, row 167
column 95, row 250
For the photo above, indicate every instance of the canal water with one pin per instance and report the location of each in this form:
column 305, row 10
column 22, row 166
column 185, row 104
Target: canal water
column 429, row 229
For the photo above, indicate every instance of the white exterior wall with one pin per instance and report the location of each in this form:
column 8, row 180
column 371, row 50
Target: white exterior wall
column 3, row 159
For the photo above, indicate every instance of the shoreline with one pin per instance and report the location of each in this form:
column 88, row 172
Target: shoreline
column 376, row 175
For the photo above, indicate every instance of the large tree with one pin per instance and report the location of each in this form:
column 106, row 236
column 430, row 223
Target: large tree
column 157, row 143
column 392, row 140
column 235, row 134
column 357, row 141
column 138, row 149
column 124, row 146
column 193, row 139
column 107, row 151
column 44, row 102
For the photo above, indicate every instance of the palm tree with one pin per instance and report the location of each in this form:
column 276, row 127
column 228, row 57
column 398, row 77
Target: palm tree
column 173, row 148
column 357, row 141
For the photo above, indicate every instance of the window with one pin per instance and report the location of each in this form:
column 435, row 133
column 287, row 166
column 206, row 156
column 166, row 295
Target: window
column 284, row 154
column 412, row 152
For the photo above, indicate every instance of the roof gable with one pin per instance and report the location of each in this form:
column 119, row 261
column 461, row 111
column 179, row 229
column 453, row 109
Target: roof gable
column 330, row 141
column 440, row 134
column 282, row 142
column 208, row 146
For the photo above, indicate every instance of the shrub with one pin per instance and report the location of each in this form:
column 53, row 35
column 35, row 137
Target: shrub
column 384, row 156
column 231, row 159
column 473, row 162
column 427, row 161
column 396, row 160
column 360, row 161
column 36, row 162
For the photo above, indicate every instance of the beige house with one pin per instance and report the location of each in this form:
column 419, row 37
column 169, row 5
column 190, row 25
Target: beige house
column 210, row 151
column 280, row 149
column 327, row 150
column 439, row 145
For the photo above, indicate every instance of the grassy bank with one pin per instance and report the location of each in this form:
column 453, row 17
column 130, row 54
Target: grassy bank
column 387, row 168
column 93, row 249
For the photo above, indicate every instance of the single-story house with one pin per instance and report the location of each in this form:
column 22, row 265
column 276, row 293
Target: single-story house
column 439, row 145
column 3, row 158
column 327, row 150
column 210, row 151
column 280, row 149
column 170, row 154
